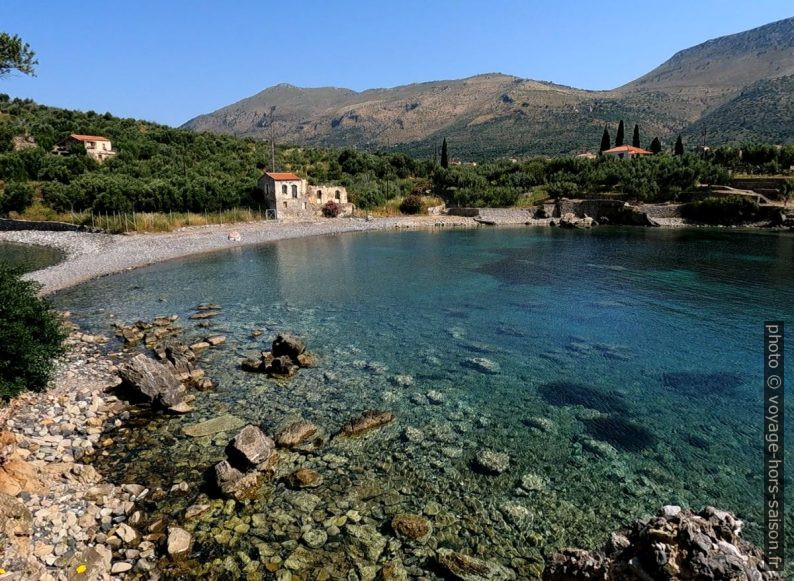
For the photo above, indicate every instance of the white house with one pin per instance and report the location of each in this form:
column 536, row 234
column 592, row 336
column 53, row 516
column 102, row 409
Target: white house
column 98, row 147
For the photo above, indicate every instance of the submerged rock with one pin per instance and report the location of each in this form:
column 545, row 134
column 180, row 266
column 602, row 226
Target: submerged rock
column 491, row 461
column 222, row 423
column 466, row 568
column 152, row 382
column 282, row 366
column 483, row 365
column 412, row 527
column 304, row 478
column 367, row 421
column 676, row 544
column 233, row 483
column 296, row 434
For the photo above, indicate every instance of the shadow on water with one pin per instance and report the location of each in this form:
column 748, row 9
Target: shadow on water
column 622, row 434
column 568, row 393
column 694, row 383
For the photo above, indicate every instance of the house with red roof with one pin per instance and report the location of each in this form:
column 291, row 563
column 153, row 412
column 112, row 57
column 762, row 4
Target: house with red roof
column 626, row 152
column 97, row 147
column 290, row 196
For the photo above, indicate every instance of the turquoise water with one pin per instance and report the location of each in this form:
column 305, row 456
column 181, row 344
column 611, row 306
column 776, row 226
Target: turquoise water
column 28, row 257
column 629, row 376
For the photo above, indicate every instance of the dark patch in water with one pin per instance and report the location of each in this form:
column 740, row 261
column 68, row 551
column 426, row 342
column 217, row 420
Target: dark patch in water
column 565, row 393
column 622, row 434
column 701, row 384
column 698, row 442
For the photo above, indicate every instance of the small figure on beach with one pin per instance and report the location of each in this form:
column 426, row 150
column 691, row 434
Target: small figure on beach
column 234, row 236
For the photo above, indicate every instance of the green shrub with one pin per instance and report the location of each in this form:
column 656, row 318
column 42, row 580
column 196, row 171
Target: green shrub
column 17, row 196
column 411, row 204
column 721, row 211
column 331, row 209
column 30, row 335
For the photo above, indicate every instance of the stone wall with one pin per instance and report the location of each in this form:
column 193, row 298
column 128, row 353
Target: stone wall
column 661, row 210
column 7, row 224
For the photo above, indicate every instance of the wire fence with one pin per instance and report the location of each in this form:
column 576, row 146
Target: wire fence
column 165, row 222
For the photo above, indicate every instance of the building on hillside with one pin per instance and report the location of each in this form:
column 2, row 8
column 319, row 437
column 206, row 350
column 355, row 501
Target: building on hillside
column 289, row 196
column 587, row 155
column 626, row 152
column 97, row 147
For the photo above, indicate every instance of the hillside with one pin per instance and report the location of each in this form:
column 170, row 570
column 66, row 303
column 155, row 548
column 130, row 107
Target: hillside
column 497, row 115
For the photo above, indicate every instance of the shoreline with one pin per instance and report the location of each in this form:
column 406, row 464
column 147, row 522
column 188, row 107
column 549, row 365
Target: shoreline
column 88, row 256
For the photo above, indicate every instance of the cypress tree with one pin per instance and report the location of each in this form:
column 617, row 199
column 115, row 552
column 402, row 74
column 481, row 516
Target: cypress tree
column 605, row 141
column 444, row 154
column 656, row 145
column 679, row 146
column 619, row 136
column 635, row 139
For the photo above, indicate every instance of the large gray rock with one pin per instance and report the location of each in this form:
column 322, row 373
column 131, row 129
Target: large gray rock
column 234, row 484
column 251, row 449
column 289, row 345
column 152, row 382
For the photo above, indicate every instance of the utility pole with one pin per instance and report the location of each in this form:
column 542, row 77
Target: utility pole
column 272, row 141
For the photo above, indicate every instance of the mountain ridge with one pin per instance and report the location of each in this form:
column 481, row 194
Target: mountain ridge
column 497, row 114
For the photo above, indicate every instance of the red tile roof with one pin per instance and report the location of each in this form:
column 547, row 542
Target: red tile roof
column 281, row 176
column 628, row 149
column 79, row 137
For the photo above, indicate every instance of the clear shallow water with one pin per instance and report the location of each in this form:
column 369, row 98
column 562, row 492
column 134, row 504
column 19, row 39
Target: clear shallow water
column 641, row 347
column 28, row 257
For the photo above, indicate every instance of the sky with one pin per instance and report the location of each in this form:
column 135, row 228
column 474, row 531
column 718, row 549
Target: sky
column 168, row 61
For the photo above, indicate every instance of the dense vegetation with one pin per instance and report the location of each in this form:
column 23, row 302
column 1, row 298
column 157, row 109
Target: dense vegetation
column 162, row 169
column 721, row 211
column 30, row 335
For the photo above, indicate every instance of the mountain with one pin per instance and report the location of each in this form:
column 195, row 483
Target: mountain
column 497, row 115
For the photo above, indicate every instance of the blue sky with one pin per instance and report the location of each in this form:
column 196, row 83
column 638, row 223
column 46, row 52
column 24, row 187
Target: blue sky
column 168, row 61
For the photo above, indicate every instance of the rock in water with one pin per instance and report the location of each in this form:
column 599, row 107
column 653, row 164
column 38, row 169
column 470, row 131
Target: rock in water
column 367, row 421
column 178, row 543
column 304, row 478
column 676, row 544
column 467, row 568
column 491, row 461
column 213, row 426
column 289, row 345
column 296, row 434
column 252, row 449
column 234, row 484
column 282, row 366
column 152, row 382
column 411, row 526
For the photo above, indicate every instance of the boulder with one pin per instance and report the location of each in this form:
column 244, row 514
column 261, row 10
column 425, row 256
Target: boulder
column 296, row 434
column 676, row 544
column 16, row 522
column 152, row 382
column 288, row 345
column 367, row 421
column 234, row 484
column 282, row 366
column 251, row 449
column 252, row 365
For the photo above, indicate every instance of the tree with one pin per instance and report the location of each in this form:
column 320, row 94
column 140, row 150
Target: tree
column 620, row 135
column 606, row 142
column 16, row 55
column 17, row 196
column 656, row 145
column 444, row 154
column 30, row 335
column 679, row 147
column 635, row 139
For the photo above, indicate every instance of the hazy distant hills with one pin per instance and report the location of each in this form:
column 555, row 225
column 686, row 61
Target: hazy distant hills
column 737, row 87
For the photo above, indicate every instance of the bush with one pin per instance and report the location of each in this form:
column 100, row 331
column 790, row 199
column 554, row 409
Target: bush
column 30, row 335
column 17, row 197
column 331, row 209
column 411, row 204
column 721, row 211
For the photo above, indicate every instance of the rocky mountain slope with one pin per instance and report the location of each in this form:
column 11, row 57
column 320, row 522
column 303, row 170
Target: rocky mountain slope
column 496, row 115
